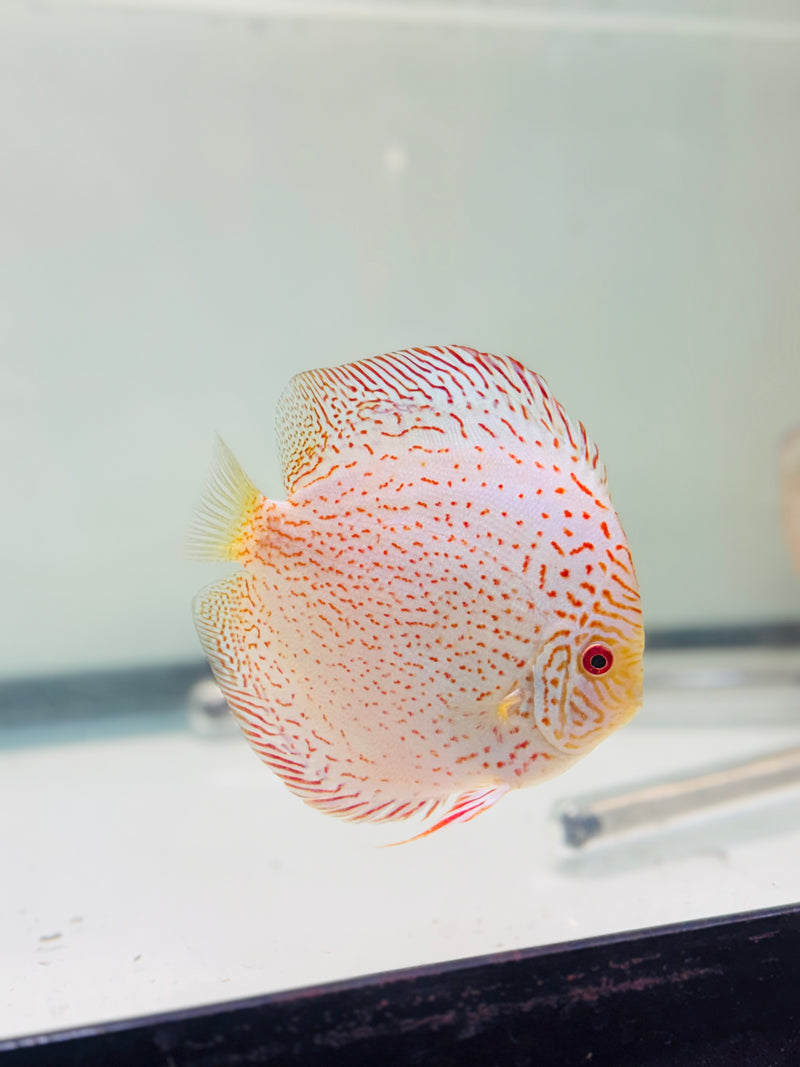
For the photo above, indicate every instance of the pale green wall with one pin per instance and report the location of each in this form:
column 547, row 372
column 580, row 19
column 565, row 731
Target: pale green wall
column 195, row 206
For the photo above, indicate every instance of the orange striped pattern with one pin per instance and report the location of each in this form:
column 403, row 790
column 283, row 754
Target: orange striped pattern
column 406, row 637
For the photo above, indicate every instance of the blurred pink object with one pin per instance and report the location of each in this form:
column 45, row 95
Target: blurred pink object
column 790, row 492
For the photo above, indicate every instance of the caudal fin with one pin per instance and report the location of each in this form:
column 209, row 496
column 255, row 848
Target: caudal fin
column 230, row 503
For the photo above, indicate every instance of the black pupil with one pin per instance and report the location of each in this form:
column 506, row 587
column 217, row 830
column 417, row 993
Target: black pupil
column 598, row 661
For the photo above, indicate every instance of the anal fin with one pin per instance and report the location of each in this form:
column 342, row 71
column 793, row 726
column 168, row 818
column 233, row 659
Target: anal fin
column 463, row 808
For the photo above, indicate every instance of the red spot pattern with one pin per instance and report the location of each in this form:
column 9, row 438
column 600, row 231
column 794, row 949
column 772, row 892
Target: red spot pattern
column 397, row 603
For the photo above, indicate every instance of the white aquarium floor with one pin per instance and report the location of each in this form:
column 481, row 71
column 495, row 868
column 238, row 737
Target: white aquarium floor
column 168, row 870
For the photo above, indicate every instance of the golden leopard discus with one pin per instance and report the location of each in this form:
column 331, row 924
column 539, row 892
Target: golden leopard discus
column 444, row 607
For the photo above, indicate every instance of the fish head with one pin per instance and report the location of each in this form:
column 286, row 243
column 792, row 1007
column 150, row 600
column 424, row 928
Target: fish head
column 587, row 681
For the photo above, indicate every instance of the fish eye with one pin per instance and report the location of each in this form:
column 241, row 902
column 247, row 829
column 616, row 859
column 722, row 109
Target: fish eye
column 597, row 659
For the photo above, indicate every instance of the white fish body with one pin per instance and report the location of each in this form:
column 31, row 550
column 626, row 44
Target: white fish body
column 445, row 607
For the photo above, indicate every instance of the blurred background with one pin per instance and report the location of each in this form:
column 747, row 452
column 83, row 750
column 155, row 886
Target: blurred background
column 199, row 199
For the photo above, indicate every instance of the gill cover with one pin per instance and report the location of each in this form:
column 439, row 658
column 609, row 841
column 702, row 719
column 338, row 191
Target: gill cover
column 568, row 709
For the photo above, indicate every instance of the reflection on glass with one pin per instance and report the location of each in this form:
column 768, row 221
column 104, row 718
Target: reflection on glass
column 790, row 491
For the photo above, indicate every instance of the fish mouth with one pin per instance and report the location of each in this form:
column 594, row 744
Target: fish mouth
column 629, row 688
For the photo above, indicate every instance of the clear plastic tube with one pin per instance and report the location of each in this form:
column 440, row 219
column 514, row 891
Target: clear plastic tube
column 591, row 818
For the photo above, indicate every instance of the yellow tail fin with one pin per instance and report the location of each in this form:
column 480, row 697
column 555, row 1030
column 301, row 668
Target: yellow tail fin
column 224, row 521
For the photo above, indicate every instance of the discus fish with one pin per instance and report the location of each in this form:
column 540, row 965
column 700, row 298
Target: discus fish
column 444, row 608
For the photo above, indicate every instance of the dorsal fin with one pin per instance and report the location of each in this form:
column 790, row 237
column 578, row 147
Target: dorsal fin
column 452, row 390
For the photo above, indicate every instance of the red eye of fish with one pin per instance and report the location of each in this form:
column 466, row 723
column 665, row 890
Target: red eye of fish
column 597, row 659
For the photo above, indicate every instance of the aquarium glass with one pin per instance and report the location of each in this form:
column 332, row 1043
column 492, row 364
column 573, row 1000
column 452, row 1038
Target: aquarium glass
column 199, row 200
